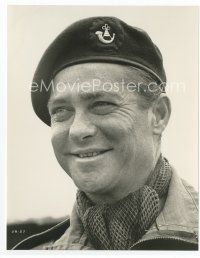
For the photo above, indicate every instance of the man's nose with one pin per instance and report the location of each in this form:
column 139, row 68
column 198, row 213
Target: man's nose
column 82, row 128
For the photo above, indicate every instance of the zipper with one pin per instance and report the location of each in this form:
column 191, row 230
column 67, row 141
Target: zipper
column 164, row 238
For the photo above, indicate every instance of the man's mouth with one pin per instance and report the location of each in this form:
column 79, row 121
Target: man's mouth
column 90, row 154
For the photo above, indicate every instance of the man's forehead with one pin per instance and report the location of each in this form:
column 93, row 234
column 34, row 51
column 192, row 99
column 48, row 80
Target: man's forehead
column 98, row 70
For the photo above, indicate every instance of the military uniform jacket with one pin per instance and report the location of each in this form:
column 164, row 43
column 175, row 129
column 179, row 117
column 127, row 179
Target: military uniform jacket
column 176, row 227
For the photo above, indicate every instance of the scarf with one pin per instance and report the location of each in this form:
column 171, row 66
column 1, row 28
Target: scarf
column 118, row 226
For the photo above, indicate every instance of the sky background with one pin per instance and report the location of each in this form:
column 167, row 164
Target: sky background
column 36, row 185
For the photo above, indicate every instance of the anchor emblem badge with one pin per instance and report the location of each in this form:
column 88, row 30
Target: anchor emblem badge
column 105, row 36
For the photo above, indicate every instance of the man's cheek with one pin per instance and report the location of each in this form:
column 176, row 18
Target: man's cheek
column 116, row 129
column 58, row 140
column 64, row 162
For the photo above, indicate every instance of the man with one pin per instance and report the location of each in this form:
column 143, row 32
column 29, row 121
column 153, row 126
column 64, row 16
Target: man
column 101, row 87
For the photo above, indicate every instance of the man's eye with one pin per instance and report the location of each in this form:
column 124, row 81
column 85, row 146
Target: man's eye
column 102, row 103
column 59, row 110
column 103, row 107
column 60, row 114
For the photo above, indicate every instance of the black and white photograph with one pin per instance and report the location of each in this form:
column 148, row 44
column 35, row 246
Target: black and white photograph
column 102, row 128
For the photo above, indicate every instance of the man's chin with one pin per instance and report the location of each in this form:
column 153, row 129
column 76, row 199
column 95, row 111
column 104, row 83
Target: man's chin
column 90, row 187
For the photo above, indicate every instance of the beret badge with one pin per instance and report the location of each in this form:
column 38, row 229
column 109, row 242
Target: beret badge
column 106, row 34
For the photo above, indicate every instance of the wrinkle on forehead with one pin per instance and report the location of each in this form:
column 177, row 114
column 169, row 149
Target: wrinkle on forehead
column 109, row 71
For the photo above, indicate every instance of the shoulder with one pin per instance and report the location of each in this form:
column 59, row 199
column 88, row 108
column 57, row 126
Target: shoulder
column 191, row 191
column 45, row 237
column 180, row 211
column 180, row 186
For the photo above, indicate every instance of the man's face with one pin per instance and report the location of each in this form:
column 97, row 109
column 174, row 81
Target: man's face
column 100, row 136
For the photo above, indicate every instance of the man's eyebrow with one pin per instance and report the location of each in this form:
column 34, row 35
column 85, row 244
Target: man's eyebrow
column 85, row 96
column 98, row 94
column 56, row 101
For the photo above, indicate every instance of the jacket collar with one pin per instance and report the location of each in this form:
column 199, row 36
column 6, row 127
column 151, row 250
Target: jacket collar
column 180, row 211
column 179, row 214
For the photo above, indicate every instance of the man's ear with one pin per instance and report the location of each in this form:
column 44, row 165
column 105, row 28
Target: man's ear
column 161, row 113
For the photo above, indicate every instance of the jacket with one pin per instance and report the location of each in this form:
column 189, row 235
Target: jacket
column 176, row 227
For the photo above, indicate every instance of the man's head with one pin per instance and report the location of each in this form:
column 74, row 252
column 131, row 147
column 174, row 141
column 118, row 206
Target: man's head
column 105, row 134
column 105, row 104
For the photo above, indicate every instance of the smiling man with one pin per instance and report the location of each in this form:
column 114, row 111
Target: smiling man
column 97, row 134
column 101, row 87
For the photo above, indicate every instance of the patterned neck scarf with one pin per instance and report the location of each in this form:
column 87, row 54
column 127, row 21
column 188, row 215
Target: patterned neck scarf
column 118, row 226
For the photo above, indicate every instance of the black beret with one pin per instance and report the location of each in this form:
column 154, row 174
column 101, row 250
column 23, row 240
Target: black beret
column 95, row 39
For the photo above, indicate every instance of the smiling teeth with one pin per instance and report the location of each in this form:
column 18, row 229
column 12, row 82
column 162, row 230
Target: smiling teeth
column 90, row 154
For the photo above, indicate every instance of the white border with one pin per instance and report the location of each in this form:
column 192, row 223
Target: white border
column 3, row 123
column 105, row 2
column 3, row 126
